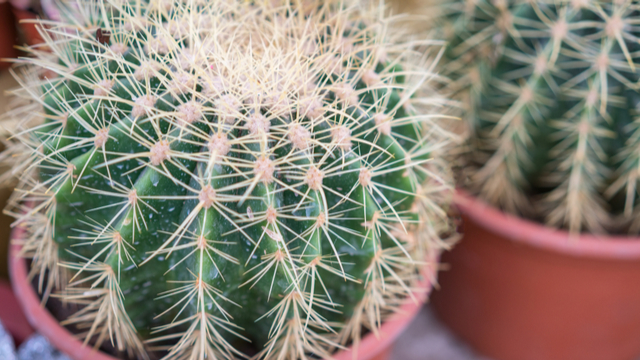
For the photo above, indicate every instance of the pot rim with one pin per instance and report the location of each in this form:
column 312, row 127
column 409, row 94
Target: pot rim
column 45, row 324
column 537, row 235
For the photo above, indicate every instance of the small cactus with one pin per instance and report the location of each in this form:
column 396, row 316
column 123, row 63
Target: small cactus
column 550, row 93
column 199, row 175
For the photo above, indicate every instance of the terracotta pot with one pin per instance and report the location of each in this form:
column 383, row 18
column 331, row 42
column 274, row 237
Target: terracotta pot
column 29, row 29
column 517, row 290
column 11, row 315
column 5, row 232
column 371, row 347
column 8, row 35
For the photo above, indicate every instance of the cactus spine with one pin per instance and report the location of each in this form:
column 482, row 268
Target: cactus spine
column 550, row 92
column 201, row 174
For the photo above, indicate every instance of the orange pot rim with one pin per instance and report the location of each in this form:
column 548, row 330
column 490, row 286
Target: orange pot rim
column 537, row 235
column 62, row 339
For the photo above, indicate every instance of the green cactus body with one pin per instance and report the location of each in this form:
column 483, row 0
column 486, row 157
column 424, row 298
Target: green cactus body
column 212, row 173
column 550, row 91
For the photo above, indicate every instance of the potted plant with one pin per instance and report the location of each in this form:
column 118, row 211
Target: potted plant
column 549, row 265
column 222, row 179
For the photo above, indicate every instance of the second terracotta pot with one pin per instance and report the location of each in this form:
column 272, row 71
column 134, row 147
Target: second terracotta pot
column 29, row 29
column 8, row 35
column 517, row 290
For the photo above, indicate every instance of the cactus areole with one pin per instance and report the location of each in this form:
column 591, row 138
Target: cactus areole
column 550, row 90
column 203, row 176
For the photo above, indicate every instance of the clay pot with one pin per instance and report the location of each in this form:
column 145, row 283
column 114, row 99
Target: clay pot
column 517, row 290
column 8, row 35
column 5, row 232
column 30, row 31
column 371, row 347
column 11, row 315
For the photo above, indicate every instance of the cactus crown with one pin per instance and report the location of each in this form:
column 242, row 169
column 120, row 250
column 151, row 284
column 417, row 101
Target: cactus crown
column 200, row 174
column 550, row 91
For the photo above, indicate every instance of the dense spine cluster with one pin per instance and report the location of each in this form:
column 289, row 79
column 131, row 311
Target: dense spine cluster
column 199, row 175
column 550, row 93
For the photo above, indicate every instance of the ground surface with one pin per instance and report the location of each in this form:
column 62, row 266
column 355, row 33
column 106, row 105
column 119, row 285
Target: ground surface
column 428, row 339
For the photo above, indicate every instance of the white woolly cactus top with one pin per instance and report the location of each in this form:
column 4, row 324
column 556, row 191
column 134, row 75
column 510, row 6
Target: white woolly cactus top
column 211, row 172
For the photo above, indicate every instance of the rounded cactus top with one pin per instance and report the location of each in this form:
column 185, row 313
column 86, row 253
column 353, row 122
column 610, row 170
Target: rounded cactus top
column 249, row 171
column 550, row 90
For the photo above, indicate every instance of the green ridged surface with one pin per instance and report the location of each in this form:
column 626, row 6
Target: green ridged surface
column 549, row 91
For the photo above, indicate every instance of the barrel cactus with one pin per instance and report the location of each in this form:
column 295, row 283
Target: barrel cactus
column 549, row 90
column 207, row 177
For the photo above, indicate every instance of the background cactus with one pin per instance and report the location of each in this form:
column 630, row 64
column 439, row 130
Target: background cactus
column 200, row 174
column 550, row 93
